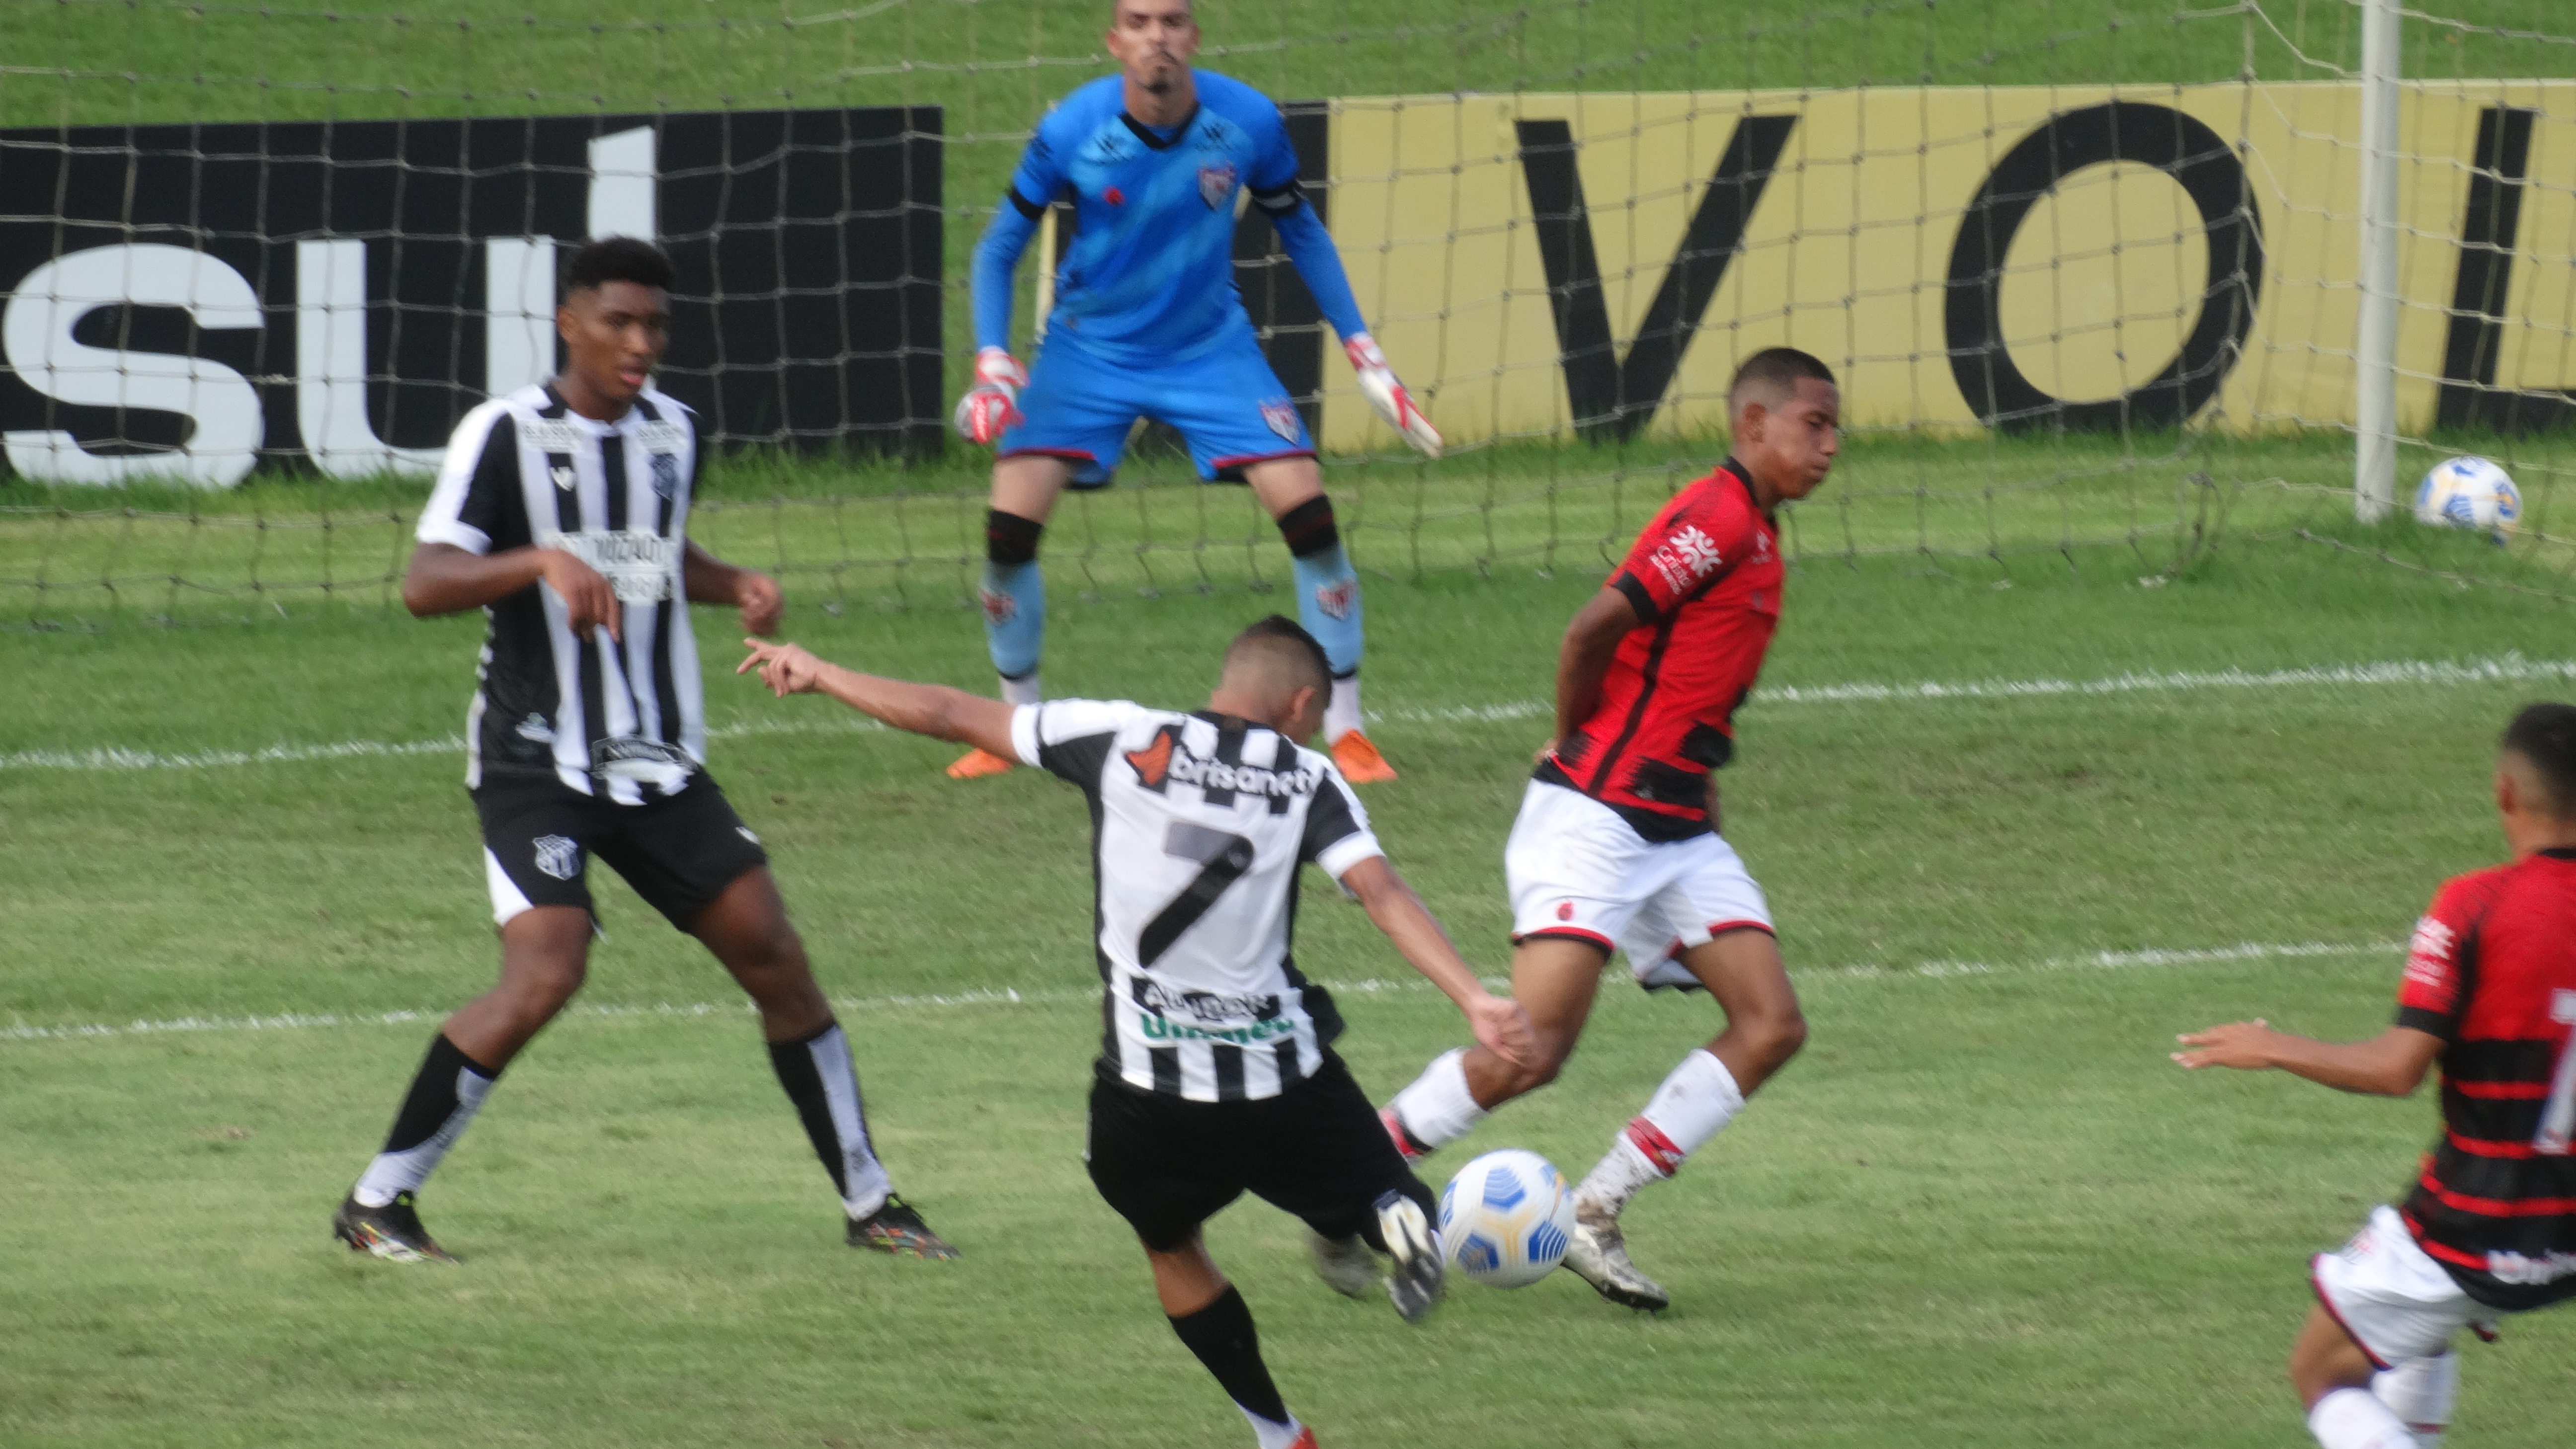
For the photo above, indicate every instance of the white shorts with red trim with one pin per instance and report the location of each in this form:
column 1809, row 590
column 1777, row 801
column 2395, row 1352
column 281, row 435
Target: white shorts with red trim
column 1575, row 869
column 2391, row 1297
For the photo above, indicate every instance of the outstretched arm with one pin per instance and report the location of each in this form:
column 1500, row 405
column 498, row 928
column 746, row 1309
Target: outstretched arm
column 1498, row 1021
column 1310, row 250
column 2390, row 1064
column 922, row 709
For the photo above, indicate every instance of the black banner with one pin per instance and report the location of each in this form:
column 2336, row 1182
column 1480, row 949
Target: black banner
column 196, row 301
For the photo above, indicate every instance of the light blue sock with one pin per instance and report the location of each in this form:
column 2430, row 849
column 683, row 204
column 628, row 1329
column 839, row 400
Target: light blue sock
column 1014, row 599
column 1328, row 604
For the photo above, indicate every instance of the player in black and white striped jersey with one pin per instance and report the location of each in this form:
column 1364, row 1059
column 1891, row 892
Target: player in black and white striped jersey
column 1216, row 1072
column 562, row 512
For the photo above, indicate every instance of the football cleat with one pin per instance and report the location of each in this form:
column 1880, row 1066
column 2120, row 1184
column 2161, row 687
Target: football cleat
column 1411, row 1150
column 1414, row 1280
column 1347, row 1265
column 1378, row 384
column 1596, row 1253
column 1305, row 1439
column 895, row 1228
column 992, row 406
column 1359, row 761
column 392, row 1232
column 1667, row 974
column 976, row 764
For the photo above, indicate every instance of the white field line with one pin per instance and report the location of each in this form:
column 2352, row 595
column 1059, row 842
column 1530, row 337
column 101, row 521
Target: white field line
column 21, row 1030
column 2435, row 673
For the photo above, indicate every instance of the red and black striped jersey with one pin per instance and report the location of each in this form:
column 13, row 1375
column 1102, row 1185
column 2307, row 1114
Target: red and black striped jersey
column 1705, row 579
column 2492, row 972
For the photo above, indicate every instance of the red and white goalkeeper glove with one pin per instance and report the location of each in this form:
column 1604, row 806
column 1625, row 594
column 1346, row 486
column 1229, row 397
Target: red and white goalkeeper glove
column 993, row 403
column 1393, row 403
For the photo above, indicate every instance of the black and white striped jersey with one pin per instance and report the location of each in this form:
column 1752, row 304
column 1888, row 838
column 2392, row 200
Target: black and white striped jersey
column 604, row 718
column 1199, row 823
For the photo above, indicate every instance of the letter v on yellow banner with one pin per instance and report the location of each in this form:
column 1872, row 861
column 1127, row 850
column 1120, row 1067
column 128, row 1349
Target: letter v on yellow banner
column 1596, row 265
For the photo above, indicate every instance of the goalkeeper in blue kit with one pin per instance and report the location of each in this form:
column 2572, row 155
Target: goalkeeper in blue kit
column 1147, row 323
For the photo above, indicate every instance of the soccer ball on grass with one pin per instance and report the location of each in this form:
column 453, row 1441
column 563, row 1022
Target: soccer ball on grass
column 1504, row 1218
column 2469, row 493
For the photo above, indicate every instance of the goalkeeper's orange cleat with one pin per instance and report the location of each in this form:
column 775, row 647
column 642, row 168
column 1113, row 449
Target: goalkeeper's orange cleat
column 1359, row 761
column 976, row 764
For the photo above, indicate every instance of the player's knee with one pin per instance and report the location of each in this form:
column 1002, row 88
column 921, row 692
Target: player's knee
column 1547, row 1057
column 537, row 989
column 1009, row 539
column 1778, row 1033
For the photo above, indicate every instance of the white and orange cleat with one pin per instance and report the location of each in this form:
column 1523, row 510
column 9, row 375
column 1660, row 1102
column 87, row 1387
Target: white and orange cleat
column 1359, row 761
column 976, row 764
column 1305, row 1438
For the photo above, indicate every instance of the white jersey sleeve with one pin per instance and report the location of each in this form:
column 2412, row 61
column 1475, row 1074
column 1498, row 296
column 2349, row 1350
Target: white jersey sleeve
column 477, row 480
column 1069, row 738
column 1337, row 829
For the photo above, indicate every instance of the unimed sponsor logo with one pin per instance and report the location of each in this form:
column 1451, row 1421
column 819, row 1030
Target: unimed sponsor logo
column 193, row 302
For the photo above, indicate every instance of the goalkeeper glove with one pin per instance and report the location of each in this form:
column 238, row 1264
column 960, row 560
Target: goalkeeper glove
column 1393, row 403
column 992, row 404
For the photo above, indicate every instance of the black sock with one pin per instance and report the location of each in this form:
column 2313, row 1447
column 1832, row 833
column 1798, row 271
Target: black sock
column 432, row 1099
column 1221, row 1335
column 824, row 1086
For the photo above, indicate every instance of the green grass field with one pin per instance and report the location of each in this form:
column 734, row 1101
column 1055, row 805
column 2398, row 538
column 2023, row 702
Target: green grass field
column 1982, row 1209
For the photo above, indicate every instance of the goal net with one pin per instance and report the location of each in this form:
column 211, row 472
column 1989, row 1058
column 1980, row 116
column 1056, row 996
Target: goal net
column 2099, row 280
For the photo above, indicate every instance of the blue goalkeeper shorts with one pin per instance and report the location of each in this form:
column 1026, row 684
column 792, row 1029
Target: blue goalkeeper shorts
column 1227, row 404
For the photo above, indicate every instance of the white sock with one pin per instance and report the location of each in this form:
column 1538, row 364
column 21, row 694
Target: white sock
column 1688, row 1109
column 1438, row 1109
column 864, row 1184
column 2356, row 1419
column 1272, row 1433
column 392, row 1173
column 1023, row 690
column 1342, row 711
column 2421, row 1392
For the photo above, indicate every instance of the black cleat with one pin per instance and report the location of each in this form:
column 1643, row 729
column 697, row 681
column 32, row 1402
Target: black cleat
column 392, row 1232
column 896, row 1228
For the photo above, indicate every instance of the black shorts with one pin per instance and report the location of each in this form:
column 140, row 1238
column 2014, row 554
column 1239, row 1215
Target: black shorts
column 679, row 852
column 1317, row 1151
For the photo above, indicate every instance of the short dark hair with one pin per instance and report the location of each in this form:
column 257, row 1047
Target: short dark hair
column 618, row 259
column 1780, row 369
column 1289, row 633
column 2545, row 735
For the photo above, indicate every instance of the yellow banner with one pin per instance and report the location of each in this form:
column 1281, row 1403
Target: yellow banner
column 2023, row 257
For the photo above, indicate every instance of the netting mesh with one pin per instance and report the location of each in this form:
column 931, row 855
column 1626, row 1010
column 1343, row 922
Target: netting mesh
column 2089, row 272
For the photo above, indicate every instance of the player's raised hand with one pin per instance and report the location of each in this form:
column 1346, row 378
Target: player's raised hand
column 2244, row 1045
column 786, row 668
column 992, row 405
column 1501, row 1027
column 1378, row 384
column 757, row 594
column 589, row 602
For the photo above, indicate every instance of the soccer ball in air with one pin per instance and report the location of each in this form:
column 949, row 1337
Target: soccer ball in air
column 2469, row 493
column 1504, row 1218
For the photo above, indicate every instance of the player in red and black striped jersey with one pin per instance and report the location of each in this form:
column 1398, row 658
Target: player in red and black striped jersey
column 1616, row 846
column 2490, row 1225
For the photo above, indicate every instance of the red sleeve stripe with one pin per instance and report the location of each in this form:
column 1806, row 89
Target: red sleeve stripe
column 2497, row 1207
column 2501, row 1091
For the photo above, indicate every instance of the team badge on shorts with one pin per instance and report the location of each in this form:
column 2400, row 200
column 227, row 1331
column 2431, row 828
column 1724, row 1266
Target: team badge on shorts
column 1281, row 415
column 558, row 856
column 666, row 474
column 1216, row 184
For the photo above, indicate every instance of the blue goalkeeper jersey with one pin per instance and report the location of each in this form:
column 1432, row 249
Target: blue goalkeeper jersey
column 1150, row 275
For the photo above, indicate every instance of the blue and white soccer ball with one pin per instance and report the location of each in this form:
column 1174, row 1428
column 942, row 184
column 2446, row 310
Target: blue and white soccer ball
column 1504, row 1218
column 2469, row 493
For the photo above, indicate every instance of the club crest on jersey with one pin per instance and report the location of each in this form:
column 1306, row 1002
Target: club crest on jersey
column 558, row 856
column 666, row 475
column 1216, row 184
column 1685, row 558
column 563, row 476
column 1281, row 416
